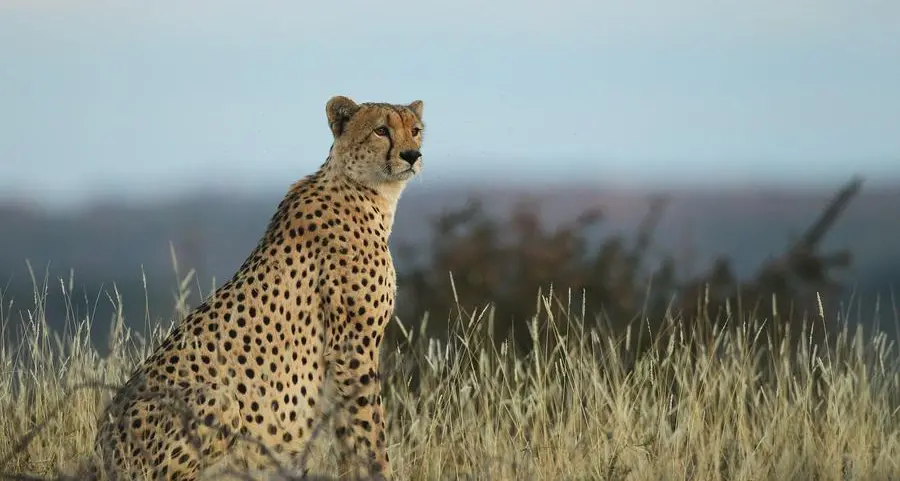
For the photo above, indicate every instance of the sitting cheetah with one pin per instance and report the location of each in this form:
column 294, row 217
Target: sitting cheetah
column 250, row 362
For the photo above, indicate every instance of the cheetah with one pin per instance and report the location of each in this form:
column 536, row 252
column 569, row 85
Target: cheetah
column 248, row 365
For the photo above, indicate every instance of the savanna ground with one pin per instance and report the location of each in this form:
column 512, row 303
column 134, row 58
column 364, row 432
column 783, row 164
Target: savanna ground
column 730, row 404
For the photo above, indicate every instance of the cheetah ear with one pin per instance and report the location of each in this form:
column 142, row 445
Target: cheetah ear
column 339, row 109
column 416, row 106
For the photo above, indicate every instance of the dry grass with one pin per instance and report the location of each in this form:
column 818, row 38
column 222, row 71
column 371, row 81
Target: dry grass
column 583, row 406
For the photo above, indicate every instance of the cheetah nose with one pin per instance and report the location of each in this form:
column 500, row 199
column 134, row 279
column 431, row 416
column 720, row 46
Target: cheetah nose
column 410, row 156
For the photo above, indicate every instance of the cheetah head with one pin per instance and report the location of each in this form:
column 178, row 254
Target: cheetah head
column 376, row 143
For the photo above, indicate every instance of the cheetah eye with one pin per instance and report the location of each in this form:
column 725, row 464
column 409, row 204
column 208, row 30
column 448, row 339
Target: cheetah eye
column 382, row 131
column 416, row 131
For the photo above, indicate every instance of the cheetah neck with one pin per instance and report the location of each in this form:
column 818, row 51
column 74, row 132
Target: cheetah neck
column 384, row 195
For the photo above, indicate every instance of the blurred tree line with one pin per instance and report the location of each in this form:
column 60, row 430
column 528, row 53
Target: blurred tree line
column 475, row 262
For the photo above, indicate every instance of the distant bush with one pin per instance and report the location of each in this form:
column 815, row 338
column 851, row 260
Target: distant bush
column 475, row 262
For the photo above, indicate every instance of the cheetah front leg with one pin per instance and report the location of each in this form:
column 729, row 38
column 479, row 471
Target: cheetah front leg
column 359, row 420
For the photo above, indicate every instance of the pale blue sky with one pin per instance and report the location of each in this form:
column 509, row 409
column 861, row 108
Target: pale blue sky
column 143, row 97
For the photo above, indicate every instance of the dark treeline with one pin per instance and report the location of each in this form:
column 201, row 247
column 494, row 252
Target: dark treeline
column 617, row 254
column 478, row 261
